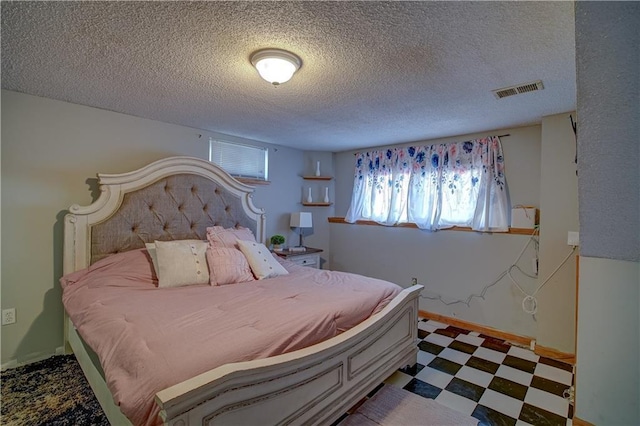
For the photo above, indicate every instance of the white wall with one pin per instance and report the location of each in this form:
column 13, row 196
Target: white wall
column 449, row 263
column 558, row 215
column 608, row 370
column 51, row 152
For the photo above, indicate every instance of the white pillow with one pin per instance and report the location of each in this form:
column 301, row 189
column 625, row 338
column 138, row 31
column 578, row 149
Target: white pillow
column 263, row 264
column 151, row 249
column 182, row 263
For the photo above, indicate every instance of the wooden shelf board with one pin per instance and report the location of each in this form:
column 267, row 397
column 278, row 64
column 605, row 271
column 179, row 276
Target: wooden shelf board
column 316, row 204
column 317, row 177
column 516, row 231
column 251, row 181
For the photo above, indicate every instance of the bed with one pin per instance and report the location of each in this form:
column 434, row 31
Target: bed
column 178, row 198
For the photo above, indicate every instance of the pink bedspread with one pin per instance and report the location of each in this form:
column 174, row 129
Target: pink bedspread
column 150, row 338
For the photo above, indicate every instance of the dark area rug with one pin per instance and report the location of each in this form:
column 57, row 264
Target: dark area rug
column 49, row 392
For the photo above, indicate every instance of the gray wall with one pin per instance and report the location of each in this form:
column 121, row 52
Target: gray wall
column 51, row 152
column 608, row 66
column 608, row 59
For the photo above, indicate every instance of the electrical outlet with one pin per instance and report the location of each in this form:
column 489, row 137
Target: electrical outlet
column 8, row 316
column 573, row 238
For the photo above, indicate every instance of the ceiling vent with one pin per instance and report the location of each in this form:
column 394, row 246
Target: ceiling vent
column 516, row 90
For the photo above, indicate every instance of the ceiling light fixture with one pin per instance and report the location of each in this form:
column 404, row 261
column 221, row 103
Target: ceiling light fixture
column 275, row 65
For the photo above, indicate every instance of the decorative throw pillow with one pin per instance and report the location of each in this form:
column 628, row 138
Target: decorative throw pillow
column 227, row 266
column 221, row 237
column 182, row 263
column 151, row 249
column 262, row 262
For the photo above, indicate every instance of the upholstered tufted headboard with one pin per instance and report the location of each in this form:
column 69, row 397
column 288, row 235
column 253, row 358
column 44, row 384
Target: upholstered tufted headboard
column 171, row 199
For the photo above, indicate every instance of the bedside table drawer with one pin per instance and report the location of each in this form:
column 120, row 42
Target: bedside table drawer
column 310, row 257
column 311, row 260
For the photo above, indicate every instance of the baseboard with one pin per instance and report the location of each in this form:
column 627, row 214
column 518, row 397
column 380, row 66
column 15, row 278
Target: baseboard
column 579, row 422
column 12, row 363
column 31, row 358
column 521, row 340
column 510, row 337
column 555, row 354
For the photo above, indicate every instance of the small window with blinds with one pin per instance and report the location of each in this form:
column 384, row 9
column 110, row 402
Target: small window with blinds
column 244, row 162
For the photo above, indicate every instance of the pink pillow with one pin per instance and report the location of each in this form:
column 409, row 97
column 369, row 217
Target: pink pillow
column 221, row 237
column 227, row 266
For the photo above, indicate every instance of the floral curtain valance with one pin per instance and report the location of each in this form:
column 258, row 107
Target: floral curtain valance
column 433, row 186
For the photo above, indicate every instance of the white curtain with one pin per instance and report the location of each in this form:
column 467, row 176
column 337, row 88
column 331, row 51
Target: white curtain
column 434, row 186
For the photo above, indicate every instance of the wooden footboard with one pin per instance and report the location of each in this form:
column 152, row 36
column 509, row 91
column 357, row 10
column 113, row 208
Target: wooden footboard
column 315, row 385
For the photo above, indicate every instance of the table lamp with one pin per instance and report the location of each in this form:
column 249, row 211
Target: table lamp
column 301, row 221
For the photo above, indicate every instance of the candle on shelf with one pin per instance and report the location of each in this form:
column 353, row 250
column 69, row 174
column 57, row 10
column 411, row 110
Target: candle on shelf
column 317, row 168
column 309, row 197
column 326, row 194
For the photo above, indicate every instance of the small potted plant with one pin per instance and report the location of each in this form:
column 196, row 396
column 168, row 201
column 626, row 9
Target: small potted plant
column 277, row 241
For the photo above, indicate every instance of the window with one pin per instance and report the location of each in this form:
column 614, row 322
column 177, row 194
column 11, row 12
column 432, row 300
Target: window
column 241, row 161
column 434, row 186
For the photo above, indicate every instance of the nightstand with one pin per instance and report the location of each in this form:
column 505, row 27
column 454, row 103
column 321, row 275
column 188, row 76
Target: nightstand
column 310, row 257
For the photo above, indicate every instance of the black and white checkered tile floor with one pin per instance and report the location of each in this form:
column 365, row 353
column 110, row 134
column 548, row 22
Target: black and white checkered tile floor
column 486, row 378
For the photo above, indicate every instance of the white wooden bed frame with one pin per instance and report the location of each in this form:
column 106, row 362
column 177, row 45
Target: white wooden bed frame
column 315, row 385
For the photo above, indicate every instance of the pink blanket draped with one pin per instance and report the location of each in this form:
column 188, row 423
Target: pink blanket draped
column 150, row 338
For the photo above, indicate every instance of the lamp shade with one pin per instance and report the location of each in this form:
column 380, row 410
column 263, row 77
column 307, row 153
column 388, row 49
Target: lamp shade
column 301, row 220
column 275, row 65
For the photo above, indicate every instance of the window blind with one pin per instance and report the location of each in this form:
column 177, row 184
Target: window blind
column 240, row 160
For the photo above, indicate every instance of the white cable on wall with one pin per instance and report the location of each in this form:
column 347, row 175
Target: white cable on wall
column 529, row 303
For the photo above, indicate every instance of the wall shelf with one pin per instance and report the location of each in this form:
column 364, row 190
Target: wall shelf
column 316, row 204
column 517, row 231
column 317, row 177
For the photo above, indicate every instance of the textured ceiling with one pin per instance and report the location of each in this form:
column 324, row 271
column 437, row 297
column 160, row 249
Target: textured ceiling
column 373, row 73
